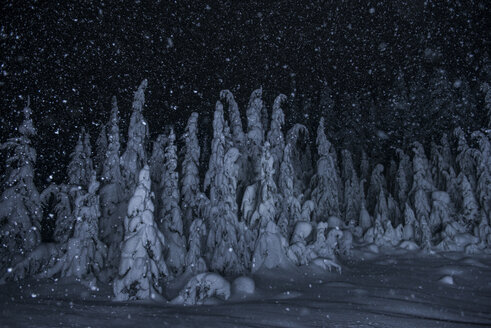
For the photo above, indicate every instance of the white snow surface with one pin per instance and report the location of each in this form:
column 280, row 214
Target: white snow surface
column 401, row 289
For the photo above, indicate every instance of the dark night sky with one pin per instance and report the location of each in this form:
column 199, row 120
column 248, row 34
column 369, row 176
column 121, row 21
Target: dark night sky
column 71, row 58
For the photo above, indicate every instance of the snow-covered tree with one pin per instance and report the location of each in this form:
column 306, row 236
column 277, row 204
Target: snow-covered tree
column 301, row 157
column 64, row 215
column 170, row 216
column 482, row 157
column 20, row 205
column 352, row 201
column 101, row 149
column 440, row 210
column 89, row 164
column 221, row 180
column 142, row 264
column 403, row 177
column 265, row 210
column 85, row 254
column 156, row 162
column 190, row 184
column 324, row 183
column 364, row 167
column 275, row 135
column 194, row 261
column 113, row 206
column 470, row 209
column 377, row 184
column 255, row 132
column 411, row 226
column 238, row 136
column 77, row 167
column 290, row 211
column 464, row 159
column 135, row 156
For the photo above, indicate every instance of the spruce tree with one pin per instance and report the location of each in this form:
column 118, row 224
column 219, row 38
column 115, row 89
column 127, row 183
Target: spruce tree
column 20, row 205
column 135, row 156
column 170, row 216
column 113, row 206
column 324, row 183
column 190, row 183
column 142, row 264
column 275, row 135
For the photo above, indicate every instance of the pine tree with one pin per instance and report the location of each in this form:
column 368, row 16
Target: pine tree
column 464, row 159
column 89, row 164
column 470, row 208
column 377, row 184
column 64, row 217
column 156, row 162
column 238, row 136
column 255, row 132
column 482, row 158
column 290, row 211
column 77, row 170
column 275, row 135
column 135, row 156
column 324, row 184
column 85, row 254
column 20, row 205
column 142, row 264
column 221, row 180
column 352, row 201
column 101, row 148
column 113, row 206
column 170, row 217
column 190, row 184
column 403, row 177
column 194, row 261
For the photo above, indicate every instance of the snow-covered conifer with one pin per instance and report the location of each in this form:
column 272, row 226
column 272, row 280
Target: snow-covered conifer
column 113, row 206
column 470, row 209
column 194, row 261
column 142, row 263
column 255, row 132
column 85, row 254
column 238, row 135
column 440, row 210
column 364, row 166
column 221, row 180
column 482, row 157
column 20, row 205
column 64, row 217
column 170, row 216
column 464, row 159
column 411, row 226
column 403, row 177
column 377, row 184
column 275, row 135
column 190, row 173
column 324, row 183
column 135, row 156
column 156, row 162
column 101, row 149
column 290, row 210
column 352, row 201
column 89, row 164
column 77, row 170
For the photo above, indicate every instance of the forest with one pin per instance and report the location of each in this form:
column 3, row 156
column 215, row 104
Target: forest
column 263, row 198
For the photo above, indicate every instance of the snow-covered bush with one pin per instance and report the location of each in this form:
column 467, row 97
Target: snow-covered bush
column 202, row 287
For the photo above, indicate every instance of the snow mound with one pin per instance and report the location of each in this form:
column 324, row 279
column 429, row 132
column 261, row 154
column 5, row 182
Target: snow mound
column 243, row 285
column 409, row 245
column 203, row 287
column 448, row 280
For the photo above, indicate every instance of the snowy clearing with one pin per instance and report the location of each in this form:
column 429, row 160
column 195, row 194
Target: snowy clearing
column 369, row 293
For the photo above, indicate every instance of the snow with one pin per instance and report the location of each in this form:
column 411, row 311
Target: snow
column 368, row 293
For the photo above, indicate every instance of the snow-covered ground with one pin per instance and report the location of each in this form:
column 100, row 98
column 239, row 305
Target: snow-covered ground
column 375, row 290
